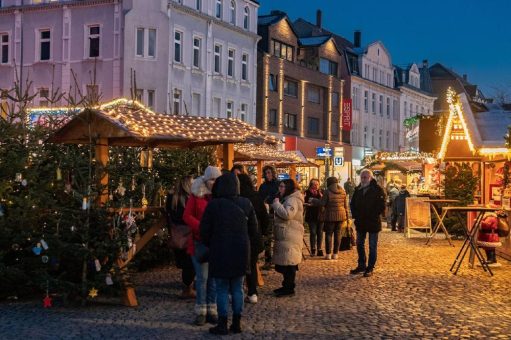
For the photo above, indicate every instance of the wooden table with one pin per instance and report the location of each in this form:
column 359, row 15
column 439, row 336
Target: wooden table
column 436, row 206
column 470, row 235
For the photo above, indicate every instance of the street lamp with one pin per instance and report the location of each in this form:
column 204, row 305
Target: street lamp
column 327, row 158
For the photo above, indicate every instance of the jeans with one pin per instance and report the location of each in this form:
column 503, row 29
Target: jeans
column 335, row 229
column 224, row 287
column 268, row 240
column 289, row 273
column 252, row 277
column 205, row 301
column 316, row 234
column 373, row 243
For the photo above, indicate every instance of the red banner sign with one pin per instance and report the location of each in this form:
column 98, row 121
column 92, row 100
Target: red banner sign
column 346, row 114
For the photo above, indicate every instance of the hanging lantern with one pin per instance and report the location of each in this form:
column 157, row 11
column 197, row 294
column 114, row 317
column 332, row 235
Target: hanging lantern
column 146, row 158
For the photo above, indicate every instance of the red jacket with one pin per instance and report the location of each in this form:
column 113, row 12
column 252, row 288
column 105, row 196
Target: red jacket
column 194, row 209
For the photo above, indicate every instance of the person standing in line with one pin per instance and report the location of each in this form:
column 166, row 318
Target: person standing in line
column 227, row 227
column 367, row 205
column 312, row 217
column 205, row 302
column 175, row 207
column 289, row 232
column 399, row 209
column 349, row 187
column 256, row 242
column 268, row 190
column 238, row 169
column 335, row 202
column 393, row 193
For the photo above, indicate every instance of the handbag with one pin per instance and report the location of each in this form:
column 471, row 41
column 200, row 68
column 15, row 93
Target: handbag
column 348, row 238
column 178, row 236
column 503, row 226
column 201, row 252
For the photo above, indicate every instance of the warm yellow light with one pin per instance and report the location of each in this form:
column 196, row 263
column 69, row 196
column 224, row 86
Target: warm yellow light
column 493, row 151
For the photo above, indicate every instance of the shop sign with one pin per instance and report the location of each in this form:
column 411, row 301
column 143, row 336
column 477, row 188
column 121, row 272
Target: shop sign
column 338, row 161
column 282, row 176
column 323, row 152
column 346, row 114
column 338, row 151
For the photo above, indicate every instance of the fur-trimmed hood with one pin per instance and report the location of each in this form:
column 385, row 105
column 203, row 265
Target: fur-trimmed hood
column 199, row 188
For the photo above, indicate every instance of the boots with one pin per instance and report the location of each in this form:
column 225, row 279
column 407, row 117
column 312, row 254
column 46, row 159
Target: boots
column 236, row 324
column 221, row 327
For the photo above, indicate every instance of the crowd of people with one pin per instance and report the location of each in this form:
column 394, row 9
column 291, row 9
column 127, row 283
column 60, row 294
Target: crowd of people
column 230, row 224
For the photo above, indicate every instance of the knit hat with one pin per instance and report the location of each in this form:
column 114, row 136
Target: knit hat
column 331, row 180
column 211, row 172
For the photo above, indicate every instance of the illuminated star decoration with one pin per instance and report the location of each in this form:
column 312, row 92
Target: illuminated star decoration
column 93, row 292
column 47, row 302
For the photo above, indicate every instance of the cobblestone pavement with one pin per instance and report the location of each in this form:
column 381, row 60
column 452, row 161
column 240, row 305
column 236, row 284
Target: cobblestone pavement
column 411, row 295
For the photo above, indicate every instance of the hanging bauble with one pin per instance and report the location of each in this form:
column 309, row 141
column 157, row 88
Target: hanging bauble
column 59, row 174
column 44, row 244
column 18, row 177
column 24, row 182
column 47, row 302
column 108, row 280
column 44, row 259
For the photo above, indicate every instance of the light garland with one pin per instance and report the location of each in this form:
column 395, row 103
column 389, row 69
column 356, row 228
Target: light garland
column 400, row 156
column 266, row 152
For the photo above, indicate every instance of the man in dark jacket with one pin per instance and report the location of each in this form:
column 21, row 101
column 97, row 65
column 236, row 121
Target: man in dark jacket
column 268, row 190
column 367, row 204
column 228, row 224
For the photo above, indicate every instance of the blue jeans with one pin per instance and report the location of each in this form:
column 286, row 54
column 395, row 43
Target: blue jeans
column 316, row 234
column 224, row 287
column 205, row 302
column 373, row 244
column 332, row 228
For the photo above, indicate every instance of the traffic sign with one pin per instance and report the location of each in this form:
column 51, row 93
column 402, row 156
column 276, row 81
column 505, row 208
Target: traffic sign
column 338, row 161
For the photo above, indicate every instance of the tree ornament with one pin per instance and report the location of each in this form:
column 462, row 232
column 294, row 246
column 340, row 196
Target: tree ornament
column 108, row 280
column 97, row 265
column 18, row 177
column 93, row 292
column 145, row 203
column 59, row 174
column 37, row 249
column 67, row 188
column 121, row 190
column 24, row 182
column 84, row 203
column 133, row 185
column 47, row 301
column 44, row 244
column 44, row 259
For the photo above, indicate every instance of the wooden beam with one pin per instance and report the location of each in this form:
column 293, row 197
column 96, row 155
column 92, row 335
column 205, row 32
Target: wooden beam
column 260, row 174
column 102, row 159
column 228, row 155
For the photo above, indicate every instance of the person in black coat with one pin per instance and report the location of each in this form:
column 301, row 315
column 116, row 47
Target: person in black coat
column 256, row 243
column 268, row 190
column 227, row 226
column 399, row 208
column 367, row 205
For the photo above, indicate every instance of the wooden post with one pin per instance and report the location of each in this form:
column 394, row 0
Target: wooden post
column 228, row 156
column 102, row 158
column 292, row 172
column 260, row 174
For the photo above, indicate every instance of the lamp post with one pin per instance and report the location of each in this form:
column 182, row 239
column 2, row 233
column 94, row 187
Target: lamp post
column 327, row 159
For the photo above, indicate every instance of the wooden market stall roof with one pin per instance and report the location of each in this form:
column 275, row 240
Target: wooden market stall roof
column 269, row 154
column 128, row 123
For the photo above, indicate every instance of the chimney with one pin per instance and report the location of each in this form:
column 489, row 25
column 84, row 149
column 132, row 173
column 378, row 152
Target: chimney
column 465, row 78
column 357, row 39
column 425, row 63
column 318, row 18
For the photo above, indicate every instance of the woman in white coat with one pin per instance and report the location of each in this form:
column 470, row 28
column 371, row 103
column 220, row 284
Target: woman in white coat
column 287, row 253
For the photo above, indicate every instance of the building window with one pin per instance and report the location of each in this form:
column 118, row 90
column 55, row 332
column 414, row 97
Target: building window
column 233, row 12
column 380, row 145
column 246, row 18
column 335, row 128
column 196, row 52
column 290, row 88
column 396, row 140
column 395, row 109
column 140, row 42
column 176, row 109
column 335, row 99
column 388, row 107
column 216, row 107
column 4, row 48
column 282, row 50
column 313, row 126
column 93, row 34
column 405, row 109
column 243, row 112
column 229, row 109
column 44, row 45
column 327, row 67
column 313, row 94
column 151, row 49
column 365, row 135
column 411, row 109
column 198, row 5
column 381, row 105
column 366, row 101
column 416, row 110
column 388, row 140
column 389, row 82
column 382, row 77
column 273, row 82
column 218, row 58
column 354, row 97
column 218, row 9
column 366, row 71
column 372, row 137
column 150, row 99
column 244, row 67
column 196, row 104
column 272, row 119
column 375, row 73
column 44, row 94
column 178, row 52
column 373, row 103
column 230, row 63
column 290, row 121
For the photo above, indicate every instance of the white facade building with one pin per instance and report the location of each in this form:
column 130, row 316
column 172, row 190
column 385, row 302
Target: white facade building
column 375, row 101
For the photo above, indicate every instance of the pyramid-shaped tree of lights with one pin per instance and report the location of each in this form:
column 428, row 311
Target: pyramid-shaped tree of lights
column 456, row 127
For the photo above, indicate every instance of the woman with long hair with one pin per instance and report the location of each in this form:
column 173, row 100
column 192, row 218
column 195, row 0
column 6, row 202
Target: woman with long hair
column 175, row 207
column 312, row 217
column 287, row 253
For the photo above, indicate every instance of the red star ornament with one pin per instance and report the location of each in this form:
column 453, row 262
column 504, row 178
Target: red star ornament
column 47, row 302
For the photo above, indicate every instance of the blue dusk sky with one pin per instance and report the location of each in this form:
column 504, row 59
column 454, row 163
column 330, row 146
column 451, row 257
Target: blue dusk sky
column 471, row 37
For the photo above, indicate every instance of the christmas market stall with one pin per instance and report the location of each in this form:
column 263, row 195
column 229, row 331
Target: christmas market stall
column 475, row 136
column 126, row 123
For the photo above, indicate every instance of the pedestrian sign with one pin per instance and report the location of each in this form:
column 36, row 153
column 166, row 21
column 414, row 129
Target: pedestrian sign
column 338, row 161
